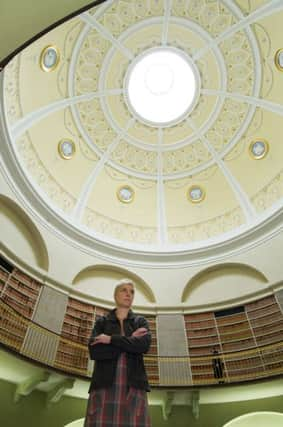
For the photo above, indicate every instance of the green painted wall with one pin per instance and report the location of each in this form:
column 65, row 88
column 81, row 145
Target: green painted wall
column 32, row 411
column 22, row 19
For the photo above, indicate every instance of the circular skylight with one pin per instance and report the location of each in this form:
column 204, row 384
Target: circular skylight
column 161, row 86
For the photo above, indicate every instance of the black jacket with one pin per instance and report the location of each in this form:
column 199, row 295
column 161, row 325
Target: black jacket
column 106, row 355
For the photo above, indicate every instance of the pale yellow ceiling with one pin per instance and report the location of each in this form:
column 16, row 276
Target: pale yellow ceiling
column 232, row 47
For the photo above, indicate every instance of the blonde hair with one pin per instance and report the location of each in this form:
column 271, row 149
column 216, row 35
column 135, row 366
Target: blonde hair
column 121, row 283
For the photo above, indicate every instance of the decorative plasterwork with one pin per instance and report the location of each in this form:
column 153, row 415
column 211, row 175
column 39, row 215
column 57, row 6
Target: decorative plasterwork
column 232, row 48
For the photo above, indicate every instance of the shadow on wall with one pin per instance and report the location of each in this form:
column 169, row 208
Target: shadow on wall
column 100, row 281
column 222, row 283
column 20, row 236
column 257, row 419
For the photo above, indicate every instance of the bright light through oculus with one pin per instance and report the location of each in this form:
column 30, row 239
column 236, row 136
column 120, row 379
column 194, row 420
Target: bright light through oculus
column 161, row 86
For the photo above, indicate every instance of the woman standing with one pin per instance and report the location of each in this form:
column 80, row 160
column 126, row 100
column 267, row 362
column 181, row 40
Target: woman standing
column 119, row 382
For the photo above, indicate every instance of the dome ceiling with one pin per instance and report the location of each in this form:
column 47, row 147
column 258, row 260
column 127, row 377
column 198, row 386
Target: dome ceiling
column 97, row 133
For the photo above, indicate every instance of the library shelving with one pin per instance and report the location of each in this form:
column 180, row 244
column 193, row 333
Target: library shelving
column 266, row 320
column 21, row 292
column 151, row 360
column 78, row 321
column 204, row 347
column 4, row 276
column 72, row 357
column 13, row 327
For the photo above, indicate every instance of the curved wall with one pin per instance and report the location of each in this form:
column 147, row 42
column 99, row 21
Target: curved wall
column 236, row 344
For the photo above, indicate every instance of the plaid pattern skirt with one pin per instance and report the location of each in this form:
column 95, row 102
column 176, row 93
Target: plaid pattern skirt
column 117, row 406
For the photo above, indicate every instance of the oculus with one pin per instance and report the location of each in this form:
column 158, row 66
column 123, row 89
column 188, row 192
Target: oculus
column 125, row 194
column 161, row 86
column 66, row 148
column 49, row 58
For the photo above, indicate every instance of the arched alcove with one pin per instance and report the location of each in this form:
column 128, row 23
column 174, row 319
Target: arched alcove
column 257, row 419
column 21, row 236
column 100, row 280
column 223, row 282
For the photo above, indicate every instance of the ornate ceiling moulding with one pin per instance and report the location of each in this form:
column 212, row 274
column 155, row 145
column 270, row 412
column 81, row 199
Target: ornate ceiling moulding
column 88, row 94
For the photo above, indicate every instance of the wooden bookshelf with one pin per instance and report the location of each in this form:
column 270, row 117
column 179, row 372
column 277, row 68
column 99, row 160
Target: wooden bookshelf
column 21, row 292
column 151, row 359
column 272, row 357
column 202, row 334
column 203, row 340
column 4, row 276
column 78, row 321
column 266, row 320
column 72, row 357
column 261, row 303
column 235, row 333
column 12, row 327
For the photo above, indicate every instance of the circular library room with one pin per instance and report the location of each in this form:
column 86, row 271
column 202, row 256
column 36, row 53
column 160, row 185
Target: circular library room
column 141, row 213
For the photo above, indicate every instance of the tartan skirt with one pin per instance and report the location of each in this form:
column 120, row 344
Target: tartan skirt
column 118, row 406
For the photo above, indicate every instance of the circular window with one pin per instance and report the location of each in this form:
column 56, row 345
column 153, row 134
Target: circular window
column 162, row 86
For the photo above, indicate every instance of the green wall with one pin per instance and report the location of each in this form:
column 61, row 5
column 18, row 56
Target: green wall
column 20, row 20
column 32, row 411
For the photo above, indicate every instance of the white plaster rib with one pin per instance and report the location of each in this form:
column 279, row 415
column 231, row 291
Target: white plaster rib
column 103, row 8
column 35, row 116
column 252, row 100
column 241, row 196
column 89, row 19
column 87, row 188
column 261, row 12
column 161, row 211
column 166, row 20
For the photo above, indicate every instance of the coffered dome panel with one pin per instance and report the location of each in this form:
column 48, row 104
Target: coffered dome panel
column 165, row 164
column 258, row 172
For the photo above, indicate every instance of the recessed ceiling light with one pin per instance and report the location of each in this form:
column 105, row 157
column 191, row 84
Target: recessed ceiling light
column 279, row 59
column 196, row 194
column 49, row 58
column 162, row 86
column 259, row 149
column 66, row 148
column 125, row 194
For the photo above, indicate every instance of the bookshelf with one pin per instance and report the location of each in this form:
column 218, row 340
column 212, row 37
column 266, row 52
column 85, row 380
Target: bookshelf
column 151, row 358
column 78, row 321
column 265, row 317
column 4, row 276
column 13, row 327
column 246, row 340
column 203, row 340
column 21, row 292
column 72, row 357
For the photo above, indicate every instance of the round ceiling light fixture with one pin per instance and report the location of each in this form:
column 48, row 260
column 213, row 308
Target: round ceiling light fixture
column 162, row 86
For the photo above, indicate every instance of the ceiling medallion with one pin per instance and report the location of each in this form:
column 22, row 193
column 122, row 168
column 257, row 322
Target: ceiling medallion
column 66, row 149
column 259, row 149
column 196, row 194
column 161, row 86
column 279, row 59
column 49, row 58
column 125, row 194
